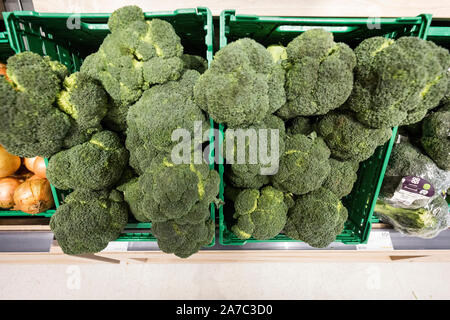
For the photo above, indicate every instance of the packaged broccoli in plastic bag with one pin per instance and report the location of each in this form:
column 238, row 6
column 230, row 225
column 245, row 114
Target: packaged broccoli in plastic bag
column 413, row 191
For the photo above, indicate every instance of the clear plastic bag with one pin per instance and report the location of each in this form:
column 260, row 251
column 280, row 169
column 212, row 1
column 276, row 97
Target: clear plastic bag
column 413, row 191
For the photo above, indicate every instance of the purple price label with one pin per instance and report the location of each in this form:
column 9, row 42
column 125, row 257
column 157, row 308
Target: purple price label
column 417, row 185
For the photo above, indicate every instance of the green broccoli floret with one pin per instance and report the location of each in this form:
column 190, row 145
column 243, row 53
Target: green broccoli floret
column 300, row 125
column 424, row 222
column 122, row 17
column 136, row 55
column 316, row 218
column 406, row 160
column 192, row 62
column 88, row 220
column 304, row 165
column 246, row 174
column 259, row 214
column 319, row 75
column 349, row 139
column 168, row 191
column 397, row 82
column 58, row 68
column 242, row 86
column 30, row 128
column 86, row 103
column 161, row 110
column 183, row 240
column 436, row 137
column 33, row 75
column 97, row 164
column 341, row 178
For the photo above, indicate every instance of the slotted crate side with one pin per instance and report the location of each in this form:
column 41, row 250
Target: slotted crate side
column 281, row 30
column 69, row 38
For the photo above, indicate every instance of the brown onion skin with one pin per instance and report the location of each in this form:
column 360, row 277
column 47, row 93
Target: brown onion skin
column 37, row 166
column 33, row 196
column 8, row 186
column 9, row 163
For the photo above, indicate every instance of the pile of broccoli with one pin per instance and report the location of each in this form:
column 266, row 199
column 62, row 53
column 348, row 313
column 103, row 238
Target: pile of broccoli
column 341, row 105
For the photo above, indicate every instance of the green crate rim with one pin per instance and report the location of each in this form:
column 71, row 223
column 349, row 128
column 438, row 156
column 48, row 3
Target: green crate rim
column 423, row 21
column 15, row 43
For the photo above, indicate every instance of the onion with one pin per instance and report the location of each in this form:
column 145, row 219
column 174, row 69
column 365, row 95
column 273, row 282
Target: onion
column 33, row 196
column 37, row 166
column 7, row 188
column 8, row 163
column 29, row 162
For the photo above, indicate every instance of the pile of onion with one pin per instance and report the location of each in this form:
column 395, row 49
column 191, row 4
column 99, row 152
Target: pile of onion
column 24, row 188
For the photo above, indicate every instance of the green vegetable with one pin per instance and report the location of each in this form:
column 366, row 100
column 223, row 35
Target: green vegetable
column 319, row 75
column 166, row 191
column 192, row 62
column 136, row 55
column 316, row 218
column 31, row 125
column 183, row 240
column 436, row 136
column 248, row 175
column 97, row 164
column 398, row 81
column 88, row 220
column 425, row 222
column 259, row 214
column 304, row 165
column 153, row 118
column 349, row 139
column 242, row 86
column 85, row 101
column 341, row 178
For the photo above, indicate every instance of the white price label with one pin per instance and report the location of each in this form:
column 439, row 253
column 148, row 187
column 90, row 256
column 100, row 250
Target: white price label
column 116, row 246
column 378, row 240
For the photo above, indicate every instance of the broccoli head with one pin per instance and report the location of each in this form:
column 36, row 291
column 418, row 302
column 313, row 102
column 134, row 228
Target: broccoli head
column 244, row 174
column 86, row 103
column 259, row 214
column 183, row 240
column 95, row 165
column 33, row 75
column 349, row 139
column 136, row 55
column 425, row 222
column 242, row 85
column 319, row 75
column 316, row 218
column 168, row 191
column 304, row 165
column 341, row 178
column 29, row 128
column 161, row 110
column 58, row 68
column 398, row 81
column 122, row 17
column 436, row 137
column 88, row 220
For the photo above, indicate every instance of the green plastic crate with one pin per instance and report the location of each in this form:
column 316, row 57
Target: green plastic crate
column 281, row 30
column 69, row 38
column 5, row 48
